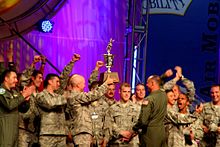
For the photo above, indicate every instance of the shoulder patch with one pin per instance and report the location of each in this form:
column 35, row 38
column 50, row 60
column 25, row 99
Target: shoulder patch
column 2, row 91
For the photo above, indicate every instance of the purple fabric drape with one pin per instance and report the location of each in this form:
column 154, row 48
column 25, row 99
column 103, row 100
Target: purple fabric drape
column 84, row 27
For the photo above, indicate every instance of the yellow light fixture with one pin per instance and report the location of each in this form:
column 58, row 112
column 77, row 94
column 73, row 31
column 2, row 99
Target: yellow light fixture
column 5, row 5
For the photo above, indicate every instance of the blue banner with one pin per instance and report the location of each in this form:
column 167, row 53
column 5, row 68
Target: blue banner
column 185, row 33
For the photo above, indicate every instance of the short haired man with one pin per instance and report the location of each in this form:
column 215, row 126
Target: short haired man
column 78, row 102
column 152, row 116
column 10, row 99
column 122, row 116
column 211, row 118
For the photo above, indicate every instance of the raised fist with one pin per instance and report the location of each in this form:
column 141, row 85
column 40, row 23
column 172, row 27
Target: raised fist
column 37, row 58
column 99, row 64
column 75, row 57
column 178, row 70
column 43, row 59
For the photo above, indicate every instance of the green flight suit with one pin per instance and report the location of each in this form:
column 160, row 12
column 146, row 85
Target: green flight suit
column 9, row 102
column 151, row 120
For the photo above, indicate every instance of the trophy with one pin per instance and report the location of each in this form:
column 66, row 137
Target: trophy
column 109, row 63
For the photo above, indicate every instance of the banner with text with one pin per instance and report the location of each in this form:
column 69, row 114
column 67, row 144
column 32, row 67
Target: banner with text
column 185, row 33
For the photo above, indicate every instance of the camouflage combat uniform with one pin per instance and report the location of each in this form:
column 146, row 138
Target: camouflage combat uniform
column 29, row 121
column 53, row 126
column 179, row 125
column 29, row 125
column 121, row 117
column 26, row 76
column 211, row 119
column 93, row 76
column 186, row 82
column 97, row 113
column 172, row 119
column 80, row 114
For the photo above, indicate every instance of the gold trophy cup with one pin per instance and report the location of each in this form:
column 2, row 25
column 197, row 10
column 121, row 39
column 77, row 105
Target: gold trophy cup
column 109, row 58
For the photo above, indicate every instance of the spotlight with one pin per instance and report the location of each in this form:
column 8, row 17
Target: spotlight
column 45, row 26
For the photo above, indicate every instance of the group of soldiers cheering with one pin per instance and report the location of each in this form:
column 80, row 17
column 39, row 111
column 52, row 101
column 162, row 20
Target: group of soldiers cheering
column 55, row 111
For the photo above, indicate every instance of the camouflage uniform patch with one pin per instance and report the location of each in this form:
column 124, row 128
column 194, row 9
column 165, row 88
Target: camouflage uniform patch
column 83, row 140
column 52, row 141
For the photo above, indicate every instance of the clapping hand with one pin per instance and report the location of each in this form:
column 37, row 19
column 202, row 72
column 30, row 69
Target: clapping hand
column 27, row 91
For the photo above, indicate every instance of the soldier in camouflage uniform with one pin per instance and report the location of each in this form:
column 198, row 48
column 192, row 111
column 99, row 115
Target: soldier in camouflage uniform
column 176, row 89
column 121, row 117
column 173, row 119
column 170, row 99
column 97, row 113
column 211, row 119
column 99, row 107
column 186, row 128
column 172, row 85
column 94, row 78
column 29, row 121
column 26, row 76
column 29, row 125
column 78, row 109
column 139, row 95
column 10, row 99
column 179, row 123
column 50, row 101
column 51, row 108
column 173, row 92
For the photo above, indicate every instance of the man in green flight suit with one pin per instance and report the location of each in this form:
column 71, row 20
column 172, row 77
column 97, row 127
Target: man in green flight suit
column 150, row 123
column 10, row 99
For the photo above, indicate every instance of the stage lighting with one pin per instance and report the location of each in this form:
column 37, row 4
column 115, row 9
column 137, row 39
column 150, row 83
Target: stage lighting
column 45, row 26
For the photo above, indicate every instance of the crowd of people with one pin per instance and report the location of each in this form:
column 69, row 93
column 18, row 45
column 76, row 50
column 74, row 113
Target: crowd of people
column 55, row 111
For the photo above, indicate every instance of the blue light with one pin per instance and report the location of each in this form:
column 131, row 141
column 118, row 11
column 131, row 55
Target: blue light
column 134, row 69
column 46, row 26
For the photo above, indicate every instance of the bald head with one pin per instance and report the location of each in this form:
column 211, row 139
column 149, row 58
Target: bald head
column 153, row 83
column 77, row 82
column 154, row 78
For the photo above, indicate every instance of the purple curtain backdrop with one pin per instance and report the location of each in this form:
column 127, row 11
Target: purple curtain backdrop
column 84, row 27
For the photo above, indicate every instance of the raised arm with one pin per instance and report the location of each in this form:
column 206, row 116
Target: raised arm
column 26, row 74
column 77, row 97
column 94, row 75
column 170, row 84
column 66, row 72
column 43, row 62
column 187, row 83
column 165, row 75
column 190, row 88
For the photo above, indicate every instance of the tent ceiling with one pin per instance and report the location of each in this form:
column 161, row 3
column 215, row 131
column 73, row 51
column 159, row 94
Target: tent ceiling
column 23, row 15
